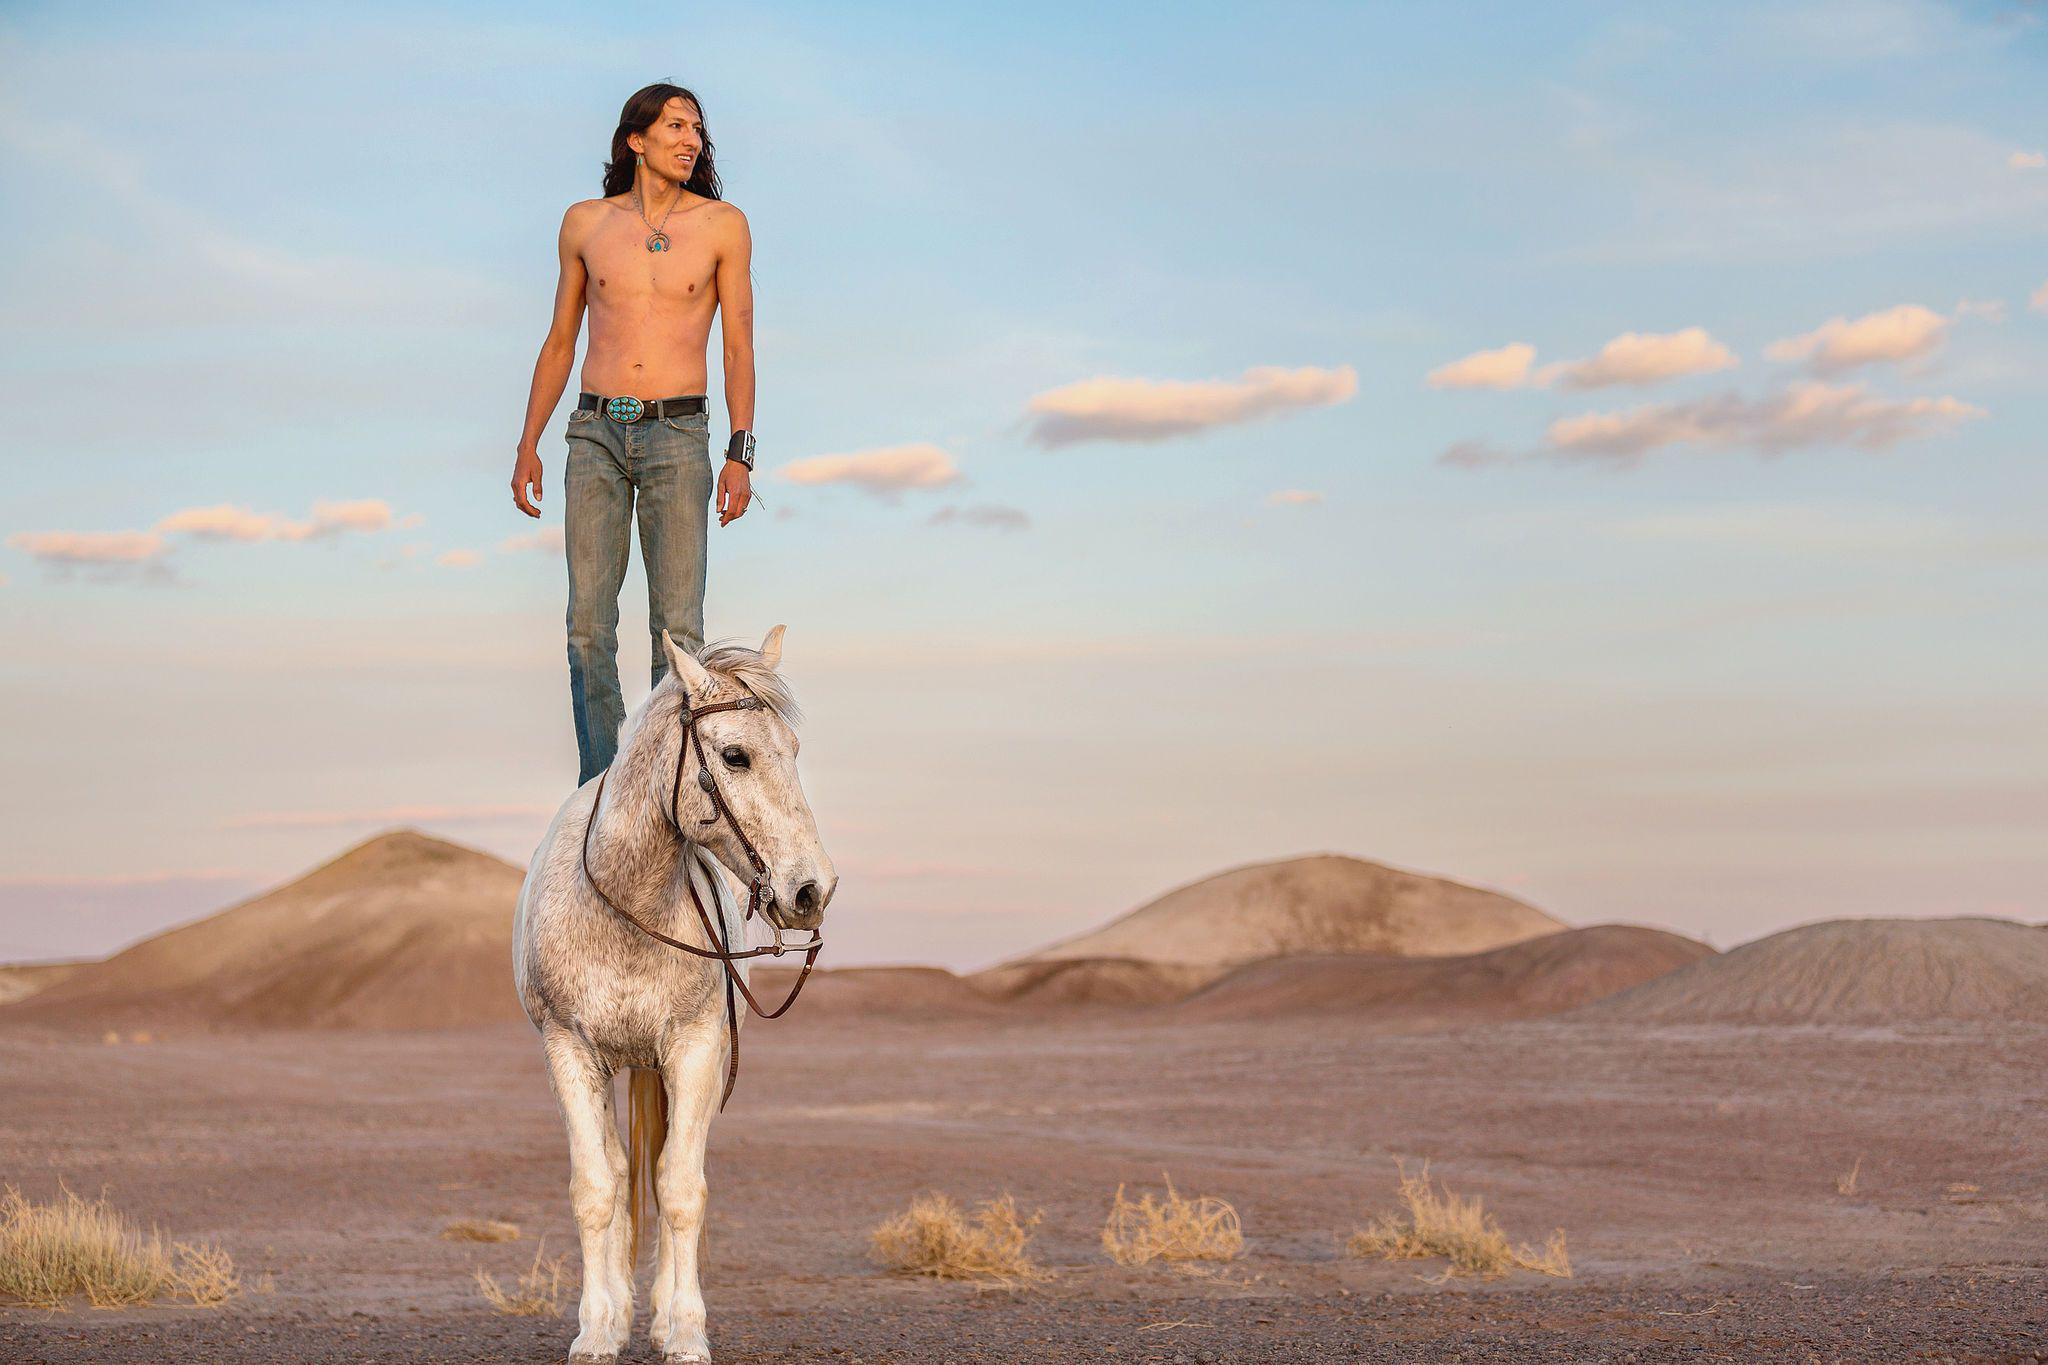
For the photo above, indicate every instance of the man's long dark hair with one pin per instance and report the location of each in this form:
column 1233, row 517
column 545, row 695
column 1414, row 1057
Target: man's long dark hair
column 637, row 117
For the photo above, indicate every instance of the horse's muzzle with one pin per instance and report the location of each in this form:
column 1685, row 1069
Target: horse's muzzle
column 803, row 907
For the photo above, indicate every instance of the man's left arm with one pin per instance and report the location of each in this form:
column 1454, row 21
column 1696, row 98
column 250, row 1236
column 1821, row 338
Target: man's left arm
column 736, row 319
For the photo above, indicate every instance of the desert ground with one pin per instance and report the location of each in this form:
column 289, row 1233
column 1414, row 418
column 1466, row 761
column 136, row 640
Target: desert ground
column 1695, row 1173
column 1745, row 1164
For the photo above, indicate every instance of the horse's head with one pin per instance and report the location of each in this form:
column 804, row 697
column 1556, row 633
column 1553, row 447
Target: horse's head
column 751, row 755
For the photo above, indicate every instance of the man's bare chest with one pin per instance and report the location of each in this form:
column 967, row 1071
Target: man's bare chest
column 622, row 270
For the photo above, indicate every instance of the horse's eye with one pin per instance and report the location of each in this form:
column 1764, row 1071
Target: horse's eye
column 734, row 756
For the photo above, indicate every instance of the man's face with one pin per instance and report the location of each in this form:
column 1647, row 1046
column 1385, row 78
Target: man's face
column 676, row 140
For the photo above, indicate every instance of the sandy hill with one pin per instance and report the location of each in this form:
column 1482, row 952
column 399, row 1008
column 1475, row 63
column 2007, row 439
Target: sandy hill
column 1864, row 971
column 1522, row 980
column 1089, row 981
column 403, row 931
column 871, row 992
column 20, row 980
column 1319, row 904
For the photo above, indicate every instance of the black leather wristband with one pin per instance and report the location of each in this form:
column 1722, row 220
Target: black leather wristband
column 740, row 449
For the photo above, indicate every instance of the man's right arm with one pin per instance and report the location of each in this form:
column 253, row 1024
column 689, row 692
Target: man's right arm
column 557, row 356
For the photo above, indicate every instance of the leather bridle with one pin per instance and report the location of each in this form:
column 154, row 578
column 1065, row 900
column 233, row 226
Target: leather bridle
column 758, row 891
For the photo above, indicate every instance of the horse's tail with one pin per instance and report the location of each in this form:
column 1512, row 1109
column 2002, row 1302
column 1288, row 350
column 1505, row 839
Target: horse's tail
column 646, row 1132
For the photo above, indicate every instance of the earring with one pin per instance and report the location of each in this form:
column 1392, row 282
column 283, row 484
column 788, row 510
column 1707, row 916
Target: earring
column 639, row 160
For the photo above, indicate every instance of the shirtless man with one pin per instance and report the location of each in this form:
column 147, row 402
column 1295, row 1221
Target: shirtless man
column 652, row 260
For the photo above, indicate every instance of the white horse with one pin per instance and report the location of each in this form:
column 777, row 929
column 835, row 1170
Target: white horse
column 606, row 994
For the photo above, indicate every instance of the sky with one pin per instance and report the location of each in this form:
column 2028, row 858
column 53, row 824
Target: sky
column 1591, row 452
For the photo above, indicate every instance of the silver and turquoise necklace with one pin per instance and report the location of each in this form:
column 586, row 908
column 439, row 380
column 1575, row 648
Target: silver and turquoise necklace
column 657, row 240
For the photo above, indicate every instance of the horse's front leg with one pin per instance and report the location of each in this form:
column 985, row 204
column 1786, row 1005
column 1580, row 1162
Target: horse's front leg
column 597, row 1192
column 694, row 1071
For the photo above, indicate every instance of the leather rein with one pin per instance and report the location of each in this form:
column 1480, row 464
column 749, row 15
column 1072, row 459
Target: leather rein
column 757, row 890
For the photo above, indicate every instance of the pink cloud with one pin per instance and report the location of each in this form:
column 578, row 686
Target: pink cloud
column 1806, row 414
column 988, row 515
column 1506, row 367
column 89, row 547
column 884, row 472
column 1644, row 358
column 1902, row 333
column 547, row 541
column 1112, row 409
column 229, row 521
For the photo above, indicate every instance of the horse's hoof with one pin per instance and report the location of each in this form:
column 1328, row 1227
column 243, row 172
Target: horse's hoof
column 686, row 1358
column 612, row 1359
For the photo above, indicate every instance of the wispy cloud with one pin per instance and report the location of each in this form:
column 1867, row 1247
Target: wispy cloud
column 389, row 815
column 2038, row 300
column 1112, row 409
column 89, row 547
column 229, row 521
column 988, row 515
column 2027, row 161
column 1827, row 189
column 1631, row 358
column 1505, row 367
column 1984, row 310
column 1906, row 332
column 1644, row 358
column 547, row 541
column 459, row 559
column 1293, row 497
column 199, row 265
column 1803, row 415
column 1474, row 455
column 1798, row 529
column 885, row 472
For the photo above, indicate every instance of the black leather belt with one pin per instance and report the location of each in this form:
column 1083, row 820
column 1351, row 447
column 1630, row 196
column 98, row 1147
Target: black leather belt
column 633, row 409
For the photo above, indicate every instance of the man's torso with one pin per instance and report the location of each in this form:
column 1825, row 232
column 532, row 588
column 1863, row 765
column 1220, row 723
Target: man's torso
column 650, row 311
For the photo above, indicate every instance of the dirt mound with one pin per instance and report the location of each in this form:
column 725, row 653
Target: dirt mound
column 1860, row 971
column 1090, row 981
column 1320, row 904
column 871, row 992
column 20, row 980
column 404, row 931
column 1540, row 976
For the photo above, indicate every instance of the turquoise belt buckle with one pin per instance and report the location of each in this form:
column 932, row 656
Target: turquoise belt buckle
column 624, row 409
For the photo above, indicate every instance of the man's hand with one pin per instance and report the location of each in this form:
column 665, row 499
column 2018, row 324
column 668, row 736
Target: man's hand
column 735, row 491
column 526, row 475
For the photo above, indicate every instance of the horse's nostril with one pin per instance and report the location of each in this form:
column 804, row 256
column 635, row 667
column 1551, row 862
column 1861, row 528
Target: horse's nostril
column 807, row 898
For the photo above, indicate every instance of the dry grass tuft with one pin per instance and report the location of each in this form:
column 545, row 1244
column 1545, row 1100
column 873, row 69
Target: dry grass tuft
column 536, row 1294
column 1175, row 1228
column 1845, row 1183
column 480, row 1230
column 51, row 1252
column 936, row 1238
column 1460, row 1230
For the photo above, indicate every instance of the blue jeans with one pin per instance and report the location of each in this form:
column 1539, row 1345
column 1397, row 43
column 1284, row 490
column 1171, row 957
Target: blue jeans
column 666, row 464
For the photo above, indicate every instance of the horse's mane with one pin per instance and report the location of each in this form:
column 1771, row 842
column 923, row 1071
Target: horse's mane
column 745, row 666
column 738, row 665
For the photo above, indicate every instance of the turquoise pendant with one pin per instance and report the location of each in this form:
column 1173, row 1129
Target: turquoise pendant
column 658, row 242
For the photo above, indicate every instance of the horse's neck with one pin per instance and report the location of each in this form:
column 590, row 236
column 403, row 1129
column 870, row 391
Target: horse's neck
column 634, row 848
column 635, row 841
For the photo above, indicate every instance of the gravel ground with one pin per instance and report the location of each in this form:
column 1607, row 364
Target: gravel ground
column 1698, row 1174
column 1985, row 1316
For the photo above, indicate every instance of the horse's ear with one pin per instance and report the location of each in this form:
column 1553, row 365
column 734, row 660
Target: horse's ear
column 771, row 648
column 685, row 666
